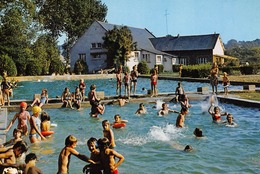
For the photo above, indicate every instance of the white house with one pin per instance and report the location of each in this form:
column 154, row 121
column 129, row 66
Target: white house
column 89, row 48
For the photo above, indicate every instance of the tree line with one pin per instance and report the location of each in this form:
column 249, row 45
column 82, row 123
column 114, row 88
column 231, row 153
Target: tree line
column 29, row 30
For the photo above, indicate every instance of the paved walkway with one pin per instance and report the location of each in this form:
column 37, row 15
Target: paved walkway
column 3, row 124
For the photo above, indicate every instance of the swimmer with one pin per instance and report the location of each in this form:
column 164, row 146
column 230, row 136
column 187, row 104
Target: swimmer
column 141, row 109
column 165, row 110
column 108, row 133
column 188, row 148
column 118, row 119
column 198, row 132
column 67, row 151
column 181, row 118
column 230, row 121
column 216, row 114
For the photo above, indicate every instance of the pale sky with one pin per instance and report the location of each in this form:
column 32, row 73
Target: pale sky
column 232, row 19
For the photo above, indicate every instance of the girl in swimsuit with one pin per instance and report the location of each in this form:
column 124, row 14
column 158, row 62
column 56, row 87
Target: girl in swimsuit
column 23, row 117
column 216, row 114
column 44, row 99
column 77, row 98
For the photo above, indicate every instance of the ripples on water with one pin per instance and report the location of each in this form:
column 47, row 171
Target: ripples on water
column 152, row 144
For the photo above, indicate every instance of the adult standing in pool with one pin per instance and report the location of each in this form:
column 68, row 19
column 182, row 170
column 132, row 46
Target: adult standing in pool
column 23, row 117
column 214, row 77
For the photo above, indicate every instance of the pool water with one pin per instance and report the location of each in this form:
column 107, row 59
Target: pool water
column 152, row 144
column 27, row 89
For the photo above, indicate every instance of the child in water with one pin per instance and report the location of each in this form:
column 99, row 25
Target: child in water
column 108, row 133
column 225, row 83
column 230, row 121
column 94, row 156
column 181, row 118
column 141, row 109
column 109, row 156
column 165, row 110
column 216, row 114
column 118, row 119
column 45, row 122
column 67, row 151
column 198, row 132
column 17, row 134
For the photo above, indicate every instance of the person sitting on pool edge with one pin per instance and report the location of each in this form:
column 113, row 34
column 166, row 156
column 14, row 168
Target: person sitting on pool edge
column 198, row 132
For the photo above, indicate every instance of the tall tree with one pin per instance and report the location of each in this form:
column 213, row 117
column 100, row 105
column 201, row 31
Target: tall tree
column 17, row 30
column 119, row 43
column 71, row 17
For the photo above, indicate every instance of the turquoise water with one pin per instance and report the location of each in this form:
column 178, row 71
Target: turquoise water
column 152, row 144
column 26, row 89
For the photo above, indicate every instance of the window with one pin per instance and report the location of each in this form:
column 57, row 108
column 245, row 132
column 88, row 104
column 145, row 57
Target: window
column 202, row 60
column 183, row 61
column 82, row 57
column 93, row 45
column 146, row 57
column 99, row 45
column 136, row 54
column 164, row 59
column 159, row 59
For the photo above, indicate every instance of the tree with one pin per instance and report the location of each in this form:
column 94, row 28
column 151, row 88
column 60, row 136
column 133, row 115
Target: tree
column 17, row 30
column 7, row 65
column 71, row 18
column 143, row 67
column 44, row 51
column 119, row 43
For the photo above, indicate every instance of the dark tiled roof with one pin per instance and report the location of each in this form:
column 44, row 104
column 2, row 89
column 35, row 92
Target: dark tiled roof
column 140, row 36
column 185, row 43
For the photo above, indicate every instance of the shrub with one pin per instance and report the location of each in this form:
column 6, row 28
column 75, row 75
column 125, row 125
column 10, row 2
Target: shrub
column 160, row 69
column 251, row 69
column 80, row 67
column 143, row 68
column 57, row 67
column 33, row 68
column 175, row 68
column 8, row 65
column 196, row 71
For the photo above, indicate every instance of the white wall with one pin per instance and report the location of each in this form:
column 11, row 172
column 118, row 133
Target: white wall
column 219, row 48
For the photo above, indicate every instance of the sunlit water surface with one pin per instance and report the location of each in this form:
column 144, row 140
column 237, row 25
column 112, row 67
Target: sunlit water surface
column 152, row 144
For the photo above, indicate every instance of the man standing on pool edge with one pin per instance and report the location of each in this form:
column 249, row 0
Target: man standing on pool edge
column 134, row 75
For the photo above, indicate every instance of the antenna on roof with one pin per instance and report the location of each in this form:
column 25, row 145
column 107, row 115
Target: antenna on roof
column 166, row 14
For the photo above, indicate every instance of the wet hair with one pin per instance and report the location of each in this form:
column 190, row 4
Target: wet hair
column 70, row 140
column 141, row 104
column 22, row 144
column 184, row 109
column 117, row 115
column 17, row 130
column 215, row 108
column 103, row 143
column 92, row 87
column 29, row 157
column 188, row 148
column 92, row 140
column 45, row 116
column 229, row 115
column 105, row 122
column 198, row 132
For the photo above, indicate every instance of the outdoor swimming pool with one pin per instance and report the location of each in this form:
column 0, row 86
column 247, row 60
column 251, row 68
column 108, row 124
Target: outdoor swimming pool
column 152, row 144
column 26, row 89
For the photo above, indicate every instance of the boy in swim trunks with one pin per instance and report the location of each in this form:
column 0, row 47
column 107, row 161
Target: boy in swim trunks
column 119, row 82
column 154, row 78
column 181, row 118
column 108, row 157
column 66, row 152
column 95, row 156
column 134, row 76
column 108, row 133
column 127, row 84
column 23, row 117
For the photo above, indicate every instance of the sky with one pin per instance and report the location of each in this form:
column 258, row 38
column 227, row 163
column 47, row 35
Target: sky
column 232, row 19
